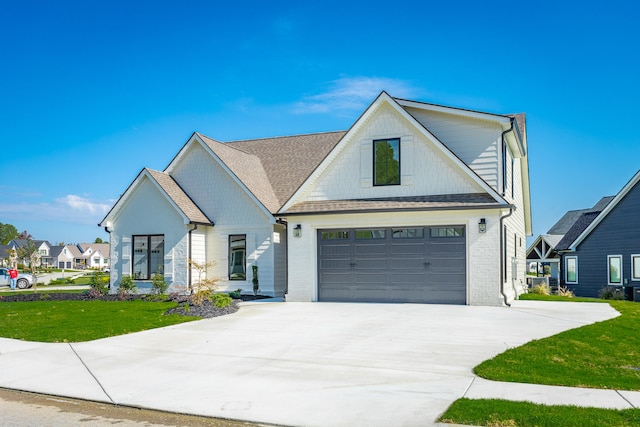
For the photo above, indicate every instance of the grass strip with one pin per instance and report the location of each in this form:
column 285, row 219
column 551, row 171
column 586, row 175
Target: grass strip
column 602, row 355
column 77, row 321
column 503, row 413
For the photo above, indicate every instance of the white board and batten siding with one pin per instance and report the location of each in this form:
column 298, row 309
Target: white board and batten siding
column 474, row 141
column 424, row 169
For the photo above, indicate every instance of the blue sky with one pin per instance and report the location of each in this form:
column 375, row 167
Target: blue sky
column 93, row 91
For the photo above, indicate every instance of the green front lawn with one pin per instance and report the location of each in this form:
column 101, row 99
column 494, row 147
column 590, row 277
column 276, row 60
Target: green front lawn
column 502, row 413
column 603, row 355
column 75, row 321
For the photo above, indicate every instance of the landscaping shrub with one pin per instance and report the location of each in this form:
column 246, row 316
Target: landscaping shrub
column 158, row 284
column 611, row 293
column 127, row 286
column 237, row 294
column 99, row 284
column 563, row 291
column 221, row 300
column 541, row 289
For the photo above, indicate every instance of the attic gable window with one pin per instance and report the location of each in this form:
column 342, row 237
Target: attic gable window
column 386, row 162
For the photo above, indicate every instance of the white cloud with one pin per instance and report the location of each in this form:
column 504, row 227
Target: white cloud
column 83, row 205
column 353, row 94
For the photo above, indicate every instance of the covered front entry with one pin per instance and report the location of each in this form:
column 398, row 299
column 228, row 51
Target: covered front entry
column 393, row 264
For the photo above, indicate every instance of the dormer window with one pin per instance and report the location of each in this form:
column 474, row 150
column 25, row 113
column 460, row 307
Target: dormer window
column 386, row 162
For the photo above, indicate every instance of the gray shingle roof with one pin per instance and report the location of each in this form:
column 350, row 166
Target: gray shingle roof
column 578, row 227
column 567, row 221
column 448, row 201
column 277, row 166
column 179, row 197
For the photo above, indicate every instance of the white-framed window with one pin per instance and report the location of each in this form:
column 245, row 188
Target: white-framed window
column 571, row 269
column 635, row 266
column 614, row 269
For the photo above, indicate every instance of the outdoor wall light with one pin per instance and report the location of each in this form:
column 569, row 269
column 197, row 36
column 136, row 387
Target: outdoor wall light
column 297, row 231
column 482, row 225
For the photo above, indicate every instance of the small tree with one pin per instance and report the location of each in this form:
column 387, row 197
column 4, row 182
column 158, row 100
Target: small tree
column 205, row 285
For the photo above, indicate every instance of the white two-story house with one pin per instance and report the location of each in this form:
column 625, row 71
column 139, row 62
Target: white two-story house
column 416, row 202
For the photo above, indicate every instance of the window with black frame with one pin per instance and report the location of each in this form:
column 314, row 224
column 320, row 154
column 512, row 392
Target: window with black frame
column 238, row 257
column 148, row 256
column 386, row 162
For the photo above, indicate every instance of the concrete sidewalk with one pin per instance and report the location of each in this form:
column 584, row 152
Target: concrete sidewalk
column 308, row 364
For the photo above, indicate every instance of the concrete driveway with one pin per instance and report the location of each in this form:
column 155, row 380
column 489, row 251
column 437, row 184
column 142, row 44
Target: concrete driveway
column 303, row 364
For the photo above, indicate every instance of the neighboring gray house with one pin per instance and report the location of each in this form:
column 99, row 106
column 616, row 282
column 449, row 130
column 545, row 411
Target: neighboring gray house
column 544, row 250
column 416, row 202
column 603, row 248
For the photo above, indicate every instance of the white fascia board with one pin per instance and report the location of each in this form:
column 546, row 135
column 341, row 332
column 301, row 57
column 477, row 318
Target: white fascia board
column 503, row 120
column 226, row 168
column 606, row 211
column 384, row 97
column 514, row 138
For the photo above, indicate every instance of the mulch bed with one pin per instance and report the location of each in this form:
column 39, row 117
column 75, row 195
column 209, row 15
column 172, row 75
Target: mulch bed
column 185, row 305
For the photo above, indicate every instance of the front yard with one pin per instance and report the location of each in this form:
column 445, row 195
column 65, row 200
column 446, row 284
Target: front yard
column 75, row 321
column 603, row 355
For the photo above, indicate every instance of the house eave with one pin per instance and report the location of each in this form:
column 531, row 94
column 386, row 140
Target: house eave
column 387, row 210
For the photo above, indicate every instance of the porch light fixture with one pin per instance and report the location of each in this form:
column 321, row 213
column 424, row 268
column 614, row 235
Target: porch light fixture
column 297, row 231
column 482, row 225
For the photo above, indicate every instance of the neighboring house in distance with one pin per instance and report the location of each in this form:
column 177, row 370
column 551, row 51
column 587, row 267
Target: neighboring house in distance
column 544, row 250
column 43, row 248
column 603, row 248
column 416, row 202
column 95, row 255
column 62, row 257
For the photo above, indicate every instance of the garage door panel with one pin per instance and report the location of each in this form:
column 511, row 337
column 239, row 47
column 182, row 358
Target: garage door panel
column 335, row 264
column 366, row 279
column 329, row 250
column 335, row 278
column 407, row 248
column 406, row 263
column 404, row 279
column 371, row 264
column 370, row 249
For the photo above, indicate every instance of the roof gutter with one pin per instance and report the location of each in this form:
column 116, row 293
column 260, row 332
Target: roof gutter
column 503, row 265
column 195, row 227
column 504, row 156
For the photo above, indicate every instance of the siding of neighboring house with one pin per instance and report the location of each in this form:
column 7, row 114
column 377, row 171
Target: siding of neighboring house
column 617, row 234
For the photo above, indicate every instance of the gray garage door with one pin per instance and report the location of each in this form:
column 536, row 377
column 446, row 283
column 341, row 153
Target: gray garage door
column 416, row 264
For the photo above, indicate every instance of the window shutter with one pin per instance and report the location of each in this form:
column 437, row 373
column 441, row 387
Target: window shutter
column 366, row 162
column 126, row 256
column 168, row 261
column 406, row 160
